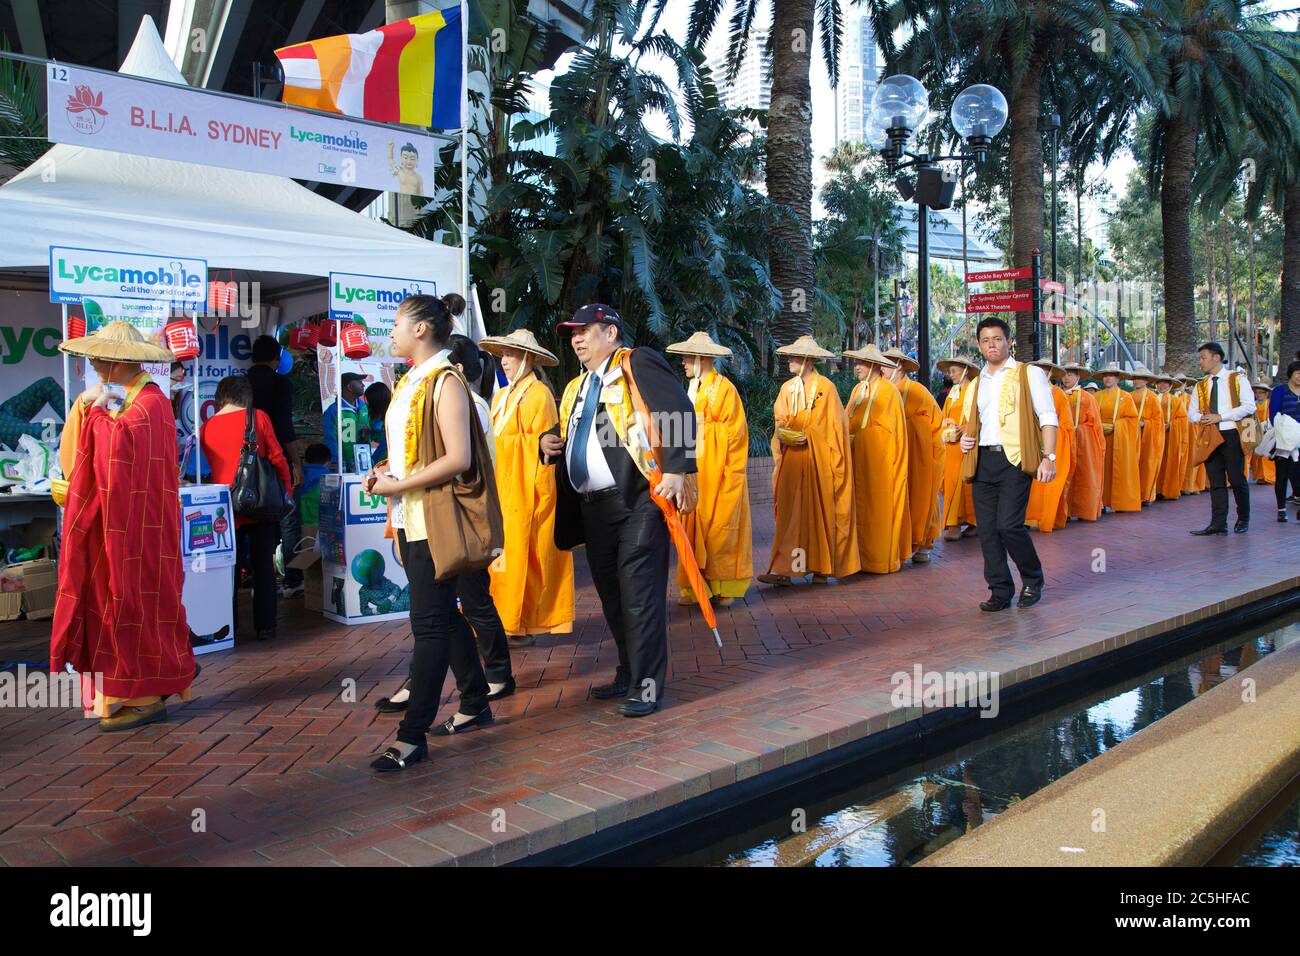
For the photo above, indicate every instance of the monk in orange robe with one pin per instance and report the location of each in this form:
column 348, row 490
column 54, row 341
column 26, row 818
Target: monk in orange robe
column 1083, row 490
column 1151, row 432
column 1173, row 464
column 958, row 512
column 532, row 580
column 118, row 614
column 925, row 455
column 878, row 434
column 1261, row 466
column 1048, row 508
column 816, row 531
column 1195, row 480
column 1122, row 488
column 719, row 525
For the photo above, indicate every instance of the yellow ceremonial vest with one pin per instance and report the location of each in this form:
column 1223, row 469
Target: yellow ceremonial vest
column 1009, row 410
column 617, row 399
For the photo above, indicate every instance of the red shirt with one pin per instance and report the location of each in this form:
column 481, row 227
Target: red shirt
column 222, row 439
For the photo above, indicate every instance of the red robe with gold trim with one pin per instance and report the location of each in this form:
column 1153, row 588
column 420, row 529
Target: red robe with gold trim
column 118, row 612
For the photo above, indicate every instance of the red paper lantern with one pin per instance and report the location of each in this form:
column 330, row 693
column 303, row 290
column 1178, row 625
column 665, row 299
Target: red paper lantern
column 355, row 343
column 304, row 337
column 329, row 333
column 222, row 296
column 182, row 339
column 76, row 327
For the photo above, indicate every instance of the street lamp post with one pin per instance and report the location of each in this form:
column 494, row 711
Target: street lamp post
column 899, row 107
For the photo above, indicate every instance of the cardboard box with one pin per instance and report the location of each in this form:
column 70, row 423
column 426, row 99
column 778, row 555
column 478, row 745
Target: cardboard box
column 11, row 605
column 313, row 587
column 32, row 575
column 38, row 603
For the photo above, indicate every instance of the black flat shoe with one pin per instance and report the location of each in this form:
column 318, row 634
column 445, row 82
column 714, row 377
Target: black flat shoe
column 1241, row 527
column 1029, row 597
column 450, row 728
column 385, row 705
column 1204, row 532
column 506, row 691
column 637, row 708
column 609, row 691
column 391, row 760
column 1281, row 516
column 995, row 604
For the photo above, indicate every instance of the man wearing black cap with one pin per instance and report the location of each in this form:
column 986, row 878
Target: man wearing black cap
column 604, row 495
column 1222, row 399
column 356, row 425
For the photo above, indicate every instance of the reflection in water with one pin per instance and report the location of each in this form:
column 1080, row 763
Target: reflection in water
column 1280, row 844
column 911, row 820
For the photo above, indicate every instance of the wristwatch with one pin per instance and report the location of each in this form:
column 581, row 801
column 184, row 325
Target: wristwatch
column 1052, row 457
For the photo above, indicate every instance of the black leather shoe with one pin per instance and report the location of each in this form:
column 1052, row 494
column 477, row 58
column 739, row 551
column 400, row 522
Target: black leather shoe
column 1029, row 597
column 634, row 707
column 391, row 760
column 450, row 728
column 504, row 691
column 1209, row 531
column 1281, row 516
column 609, row 691
column 1241, row 527
column 385, row 705
column 995, row 604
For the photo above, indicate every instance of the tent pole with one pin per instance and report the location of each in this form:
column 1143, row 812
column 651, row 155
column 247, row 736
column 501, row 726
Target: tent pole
column 67, row 401
column 338, row 397
column 198, row 452
column 464, row 151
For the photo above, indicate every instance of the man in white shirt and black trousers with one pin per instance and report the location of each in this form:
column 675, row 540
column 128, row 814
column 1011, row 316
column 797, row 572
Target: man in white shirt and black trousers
column 1001, row 486
column 603, row 497
column 1227, row 462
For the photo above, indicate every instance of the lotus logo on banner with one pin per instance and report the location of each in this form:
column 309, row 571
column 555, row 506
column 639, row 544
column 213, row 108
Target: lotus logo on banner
column 85, row 110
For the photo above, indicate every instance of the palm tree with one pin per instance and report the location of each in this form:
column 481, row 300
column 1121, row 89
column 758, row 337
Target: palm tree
column 789, row 133
column 1224, row 66
column 22, row 126
column 1025, row 48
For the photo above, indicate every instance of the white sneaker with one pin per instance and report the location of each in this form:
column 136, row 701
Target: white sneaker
column 291, row 592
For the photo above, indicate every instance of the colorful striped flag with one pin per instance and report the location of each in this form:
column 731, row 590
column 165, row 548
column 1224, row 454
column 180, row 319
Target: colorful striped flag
column 405, row 72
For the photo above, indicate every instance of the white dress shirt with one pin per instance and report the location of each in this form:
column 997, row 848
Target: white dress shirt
column 599, row 477
column 1231, row 414
column 990, row 392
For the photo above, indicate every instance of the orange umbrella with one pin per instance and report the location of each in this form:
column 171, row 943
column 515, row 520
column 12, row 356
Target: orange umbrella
column 685, row 553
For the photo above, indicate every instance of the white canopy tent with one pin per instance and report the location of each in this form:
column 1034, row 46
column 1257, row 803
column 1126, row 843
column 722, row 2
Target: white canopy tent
column 92, row 198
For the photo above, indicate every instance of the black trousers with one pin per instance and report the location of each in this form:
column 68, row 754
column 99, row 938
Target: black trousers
column 1288, row 473
column 442, row 638
column 1227, row 464
column 255, row 550
column 291, row 533
column 627, row 550
column 1000, row 493
column 476, row 604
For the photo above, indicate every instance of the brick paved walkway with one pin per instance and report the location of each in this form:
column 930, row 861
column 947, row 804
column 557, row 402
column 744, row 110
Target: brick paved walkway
column 278, row 763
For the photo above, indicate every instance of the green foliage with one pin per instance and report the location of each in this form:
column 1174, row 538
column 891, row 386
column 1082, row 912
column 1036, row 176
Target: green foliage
column 22, row 126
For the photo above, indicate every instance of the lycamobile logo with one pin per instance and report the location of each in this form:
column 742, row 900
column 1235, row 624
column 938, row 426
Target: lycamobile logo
column 161, row 275
column 352, row 140
column 348, row 294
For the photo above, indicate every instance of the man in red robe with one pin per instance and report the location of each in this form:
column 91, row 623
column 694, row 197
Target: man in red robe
column 118, row 617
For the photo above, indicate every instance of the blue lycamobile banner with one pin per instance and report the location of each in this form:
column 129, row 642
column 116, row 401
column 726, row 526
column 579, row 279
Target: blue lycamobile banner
column 76, row 274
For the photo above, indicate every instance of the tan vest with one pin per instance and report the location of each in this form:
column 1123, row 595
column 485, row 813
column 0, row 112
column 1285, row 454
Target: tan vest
column 1016, row 419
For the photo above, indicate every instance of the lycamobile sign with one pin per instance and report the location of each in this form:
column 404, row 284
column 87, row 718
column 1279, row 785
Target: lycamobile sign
column 78, row 273
column 374, row 298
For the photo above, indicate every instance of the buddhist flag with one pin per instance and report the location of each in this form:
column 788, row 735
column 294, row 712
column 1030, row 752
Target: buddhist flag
column 405, row 72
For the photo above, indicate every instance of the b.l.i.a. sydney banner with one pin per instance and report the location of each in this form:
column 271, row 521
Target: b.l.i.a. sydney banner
column 131, row 115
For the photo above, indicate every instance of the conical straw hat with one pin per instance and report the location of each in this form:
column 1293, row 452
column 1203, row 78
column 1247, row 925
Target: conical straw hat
column 118, row 341
column 944, row 364
column 524, row 341
column 699, row 344
column 899, row 357
column 1143, row 372
column 1051, row 368
column 805, row 347
column 869, row 353
column 1077, row 368
column 1111, row 369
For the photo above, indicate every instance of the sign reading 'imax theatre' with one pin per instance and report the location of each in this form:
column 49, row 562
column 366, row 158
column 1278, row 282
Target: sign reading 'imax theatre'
column 166, row 121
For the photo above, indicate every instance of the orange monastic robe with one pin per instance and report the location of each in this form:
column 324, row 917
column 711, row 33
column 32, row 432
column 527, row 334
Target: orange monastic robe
column 1083, row 490
column 1048, row 508
column 1173, row 466
column 1262, row 469
column 719, row 526
column 925, row 456
column 878, row 434
column 532, row 581
column 1195, row 480
column 1151, row 432
column 1122, row 489
column 815, row 527
column 958, row 507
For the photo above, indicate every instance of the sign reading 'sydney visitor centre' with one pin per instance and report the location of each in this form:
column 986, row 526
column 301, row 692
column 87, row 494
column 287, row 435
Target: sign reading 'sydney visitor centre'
column 100, row 273
column 129, row 115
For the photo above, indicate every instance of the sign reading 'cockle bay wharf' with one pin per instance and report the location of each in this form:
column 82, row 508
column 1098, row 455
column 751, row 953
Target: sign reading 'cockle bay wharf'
column 169, row 121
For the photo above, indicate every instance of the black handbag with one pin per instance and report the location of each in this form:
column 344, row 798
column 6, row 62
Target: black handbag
column 257, row 493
